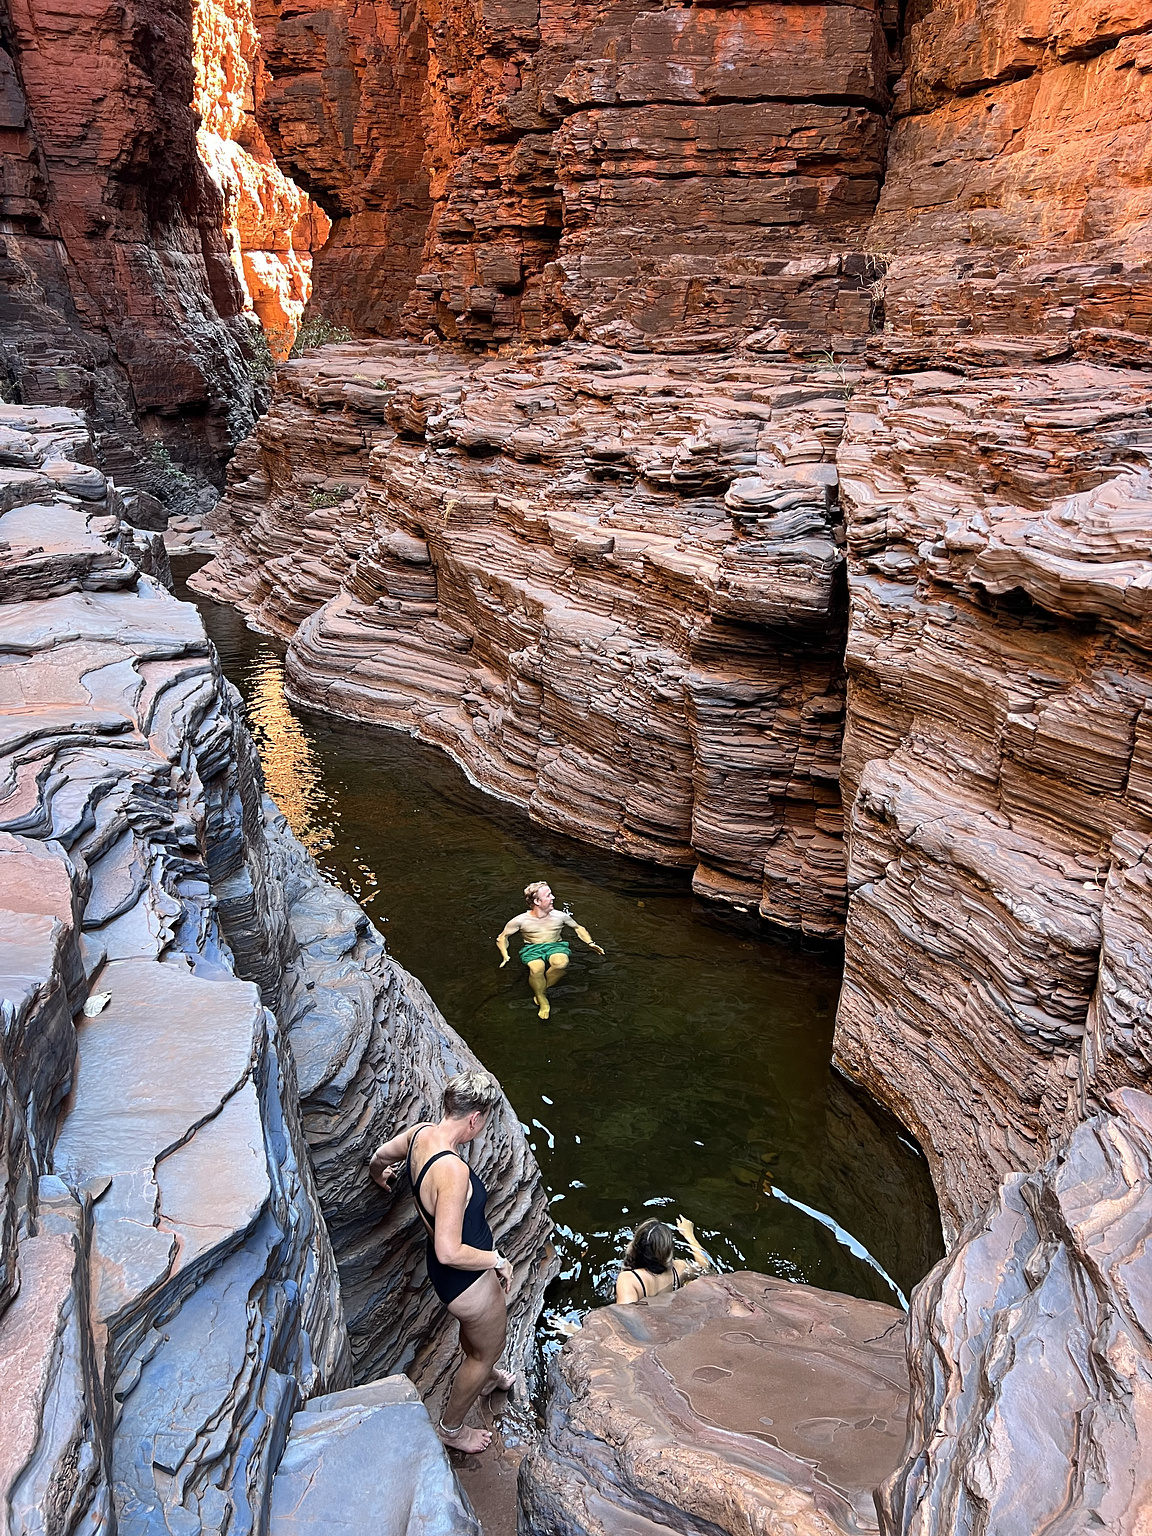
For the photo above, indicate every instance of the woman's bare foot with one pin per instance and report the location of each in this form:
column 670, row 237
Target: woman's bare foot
column 465, row 1438
column 498, row 1381
column 545, row 1008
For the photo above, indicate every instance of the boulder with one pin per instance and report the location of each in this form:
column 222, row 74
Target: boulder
column 740, row 1404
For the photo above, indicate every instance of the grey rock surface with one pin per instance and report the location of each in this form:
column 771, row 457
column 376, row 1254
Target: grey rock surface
column 739, row 1404
column 1031, row 1351
column 367, row 1462
column 169, row 1295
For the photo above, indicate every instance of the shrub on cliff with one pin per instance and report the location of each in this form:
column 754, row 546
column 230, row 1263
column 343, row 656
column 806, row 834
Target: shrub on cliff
column 316, row 331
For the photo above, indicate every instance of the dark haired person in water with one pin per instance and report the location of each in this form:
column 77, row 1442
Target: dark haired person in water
column 543, row 952
column 649, row 1267
column 467, row 1273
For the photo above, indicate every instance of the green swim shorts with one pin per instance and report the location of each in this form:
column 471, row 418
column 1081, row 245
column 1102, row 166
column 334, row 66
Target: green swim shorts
column 542, row 951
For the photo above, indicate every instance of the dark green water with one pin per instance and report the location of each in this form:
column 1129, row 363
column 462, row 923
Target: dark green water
column 687, row 1071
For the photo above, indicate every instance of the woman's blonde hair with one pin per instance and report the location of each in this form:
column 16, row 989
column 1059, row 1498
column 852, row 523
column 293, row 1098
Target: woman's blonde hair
column 468, row 1092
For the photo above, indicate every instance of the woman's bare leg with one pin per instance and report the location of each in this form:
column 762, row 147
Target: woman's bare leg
column 483, row 1317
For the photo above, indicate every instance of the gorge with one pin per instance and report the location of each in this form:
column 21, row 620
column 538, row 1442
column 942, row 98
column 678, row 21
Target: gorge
column 739, row 464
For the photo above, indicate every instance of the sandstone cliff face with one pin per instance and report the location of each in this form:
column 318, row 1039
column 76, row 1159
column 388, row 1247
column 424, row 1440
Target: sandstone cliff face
column 169, row 1294
column 675, row 177
column 999, row 537
column 611, row 593
column 116, row 292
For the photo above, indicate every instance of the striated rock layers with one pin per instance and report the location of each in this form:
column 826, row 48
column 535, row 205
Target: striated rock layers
column 168, row 1291
column 996, row 758
column 612, row 593
column 670, row 177
column 999, row 527
column 739, row 1404
column 116, row 292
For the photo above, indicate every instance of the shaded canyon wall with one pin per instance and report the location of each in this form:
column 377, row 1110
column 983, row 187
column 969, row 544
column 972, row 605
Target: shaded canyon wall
column 202, row 1041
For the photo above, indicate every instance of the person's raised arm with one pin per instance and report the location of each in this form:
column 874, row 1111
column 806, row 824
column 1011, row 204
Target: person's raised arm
column 581, row 932
column 452, row 1185
column 510, row 927
column 388, row 1156
column 688, row 1232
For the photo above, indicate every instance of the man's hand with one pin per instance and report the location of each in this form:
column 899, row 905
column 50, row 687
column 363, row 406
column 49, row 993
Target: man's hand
column 503, row 962
column 597, row 948
column 685, row 1228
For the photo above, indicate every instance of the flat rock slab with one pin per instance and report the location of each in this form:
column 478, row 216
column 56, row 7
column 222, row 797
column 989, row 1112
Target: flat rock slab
column 740, row 1404
column 367, row 1463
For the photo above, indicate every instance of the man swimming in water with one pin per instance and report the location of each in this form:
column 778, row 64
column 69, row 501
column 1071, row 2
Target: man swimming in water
column 543, row 951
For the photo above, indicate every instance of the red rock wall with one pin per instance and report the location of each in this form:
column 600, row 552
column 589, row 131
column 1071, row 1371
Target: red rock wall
column 340, row 100
column 116, row 292
column 271, row 227
column 678, row 177
column 612, row 594
column 999, row 653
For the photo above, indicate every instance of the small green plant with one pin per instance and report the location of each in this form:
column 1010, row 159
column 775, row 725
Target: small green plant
column 332, row 498
column 847, row 385
column 261, row 363
column 316, row 331
column 168, row 473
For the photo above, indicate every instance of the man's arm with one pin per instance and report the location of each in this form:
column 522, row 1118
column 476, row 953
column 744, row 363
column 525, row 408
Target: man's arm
column 510, row 927
column 581, row 932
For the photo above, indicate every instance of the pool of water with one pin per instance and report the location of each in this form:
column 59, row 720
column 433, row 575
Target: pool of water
column 686, row 1071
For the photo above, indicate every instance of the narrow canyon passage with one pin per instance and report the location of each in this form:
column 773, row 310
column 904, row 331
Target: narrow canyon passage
column 687, row 1071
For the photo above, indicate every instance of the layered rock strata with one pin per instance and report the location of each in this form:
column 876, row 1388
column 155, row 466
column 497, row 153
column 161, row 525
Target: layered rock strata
column 670, row 178
column 737, row 1404
column 168, row 1288
column 116, row 292
column 612, row 594
column 1000, row 545
column 1029, row 1346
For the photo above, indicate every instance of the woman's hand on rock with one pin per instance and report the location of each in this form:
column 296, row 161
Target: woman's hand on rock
column 382, row 1174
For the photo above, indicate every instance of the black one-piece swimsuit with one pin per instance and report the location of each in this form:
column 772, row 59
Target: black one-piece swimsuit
column 447, row 1281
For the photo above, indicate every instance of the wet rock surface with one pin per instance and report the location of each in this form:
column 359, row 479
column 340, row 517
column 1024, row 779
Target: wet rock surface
column 738, row 1404
column 170, row 1293
column 612, row 593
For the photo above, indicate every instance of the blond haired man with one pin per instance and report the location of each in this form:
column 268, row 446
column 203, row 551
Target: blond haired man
column 543, row 951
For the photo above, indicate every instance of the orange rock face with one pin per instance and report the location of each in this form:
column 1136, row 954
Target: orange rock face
column 271, row 227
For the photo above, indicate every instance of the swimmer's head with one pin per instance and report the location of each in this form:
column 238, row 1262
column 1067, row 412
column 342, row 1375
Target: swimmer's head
column 651, row 1247
column 470, row 1093
column 538, row 894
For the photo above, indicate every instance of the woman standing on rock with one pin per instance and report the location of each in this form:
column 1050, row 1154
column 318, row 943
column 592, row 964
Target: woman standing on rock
column 467, row 1273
